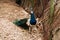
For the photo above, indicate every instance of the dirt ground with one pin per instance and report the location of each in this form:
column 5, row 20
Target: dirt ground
column 10, row 11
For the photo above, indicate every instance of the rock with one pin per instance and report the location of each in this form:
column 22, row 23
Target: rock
column 56, row 34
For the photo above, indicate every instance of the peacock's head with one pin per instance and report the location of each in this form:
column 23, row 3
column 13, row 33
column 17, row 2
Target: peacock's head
column 31, row 12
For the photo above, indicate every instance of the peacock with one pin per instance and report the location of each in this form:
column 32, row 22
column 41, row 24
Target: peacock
column 23, row 22
column 32, row 21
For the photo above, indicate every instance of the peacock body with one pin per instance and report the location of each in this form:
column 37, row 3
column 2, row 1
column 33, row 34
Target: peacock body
column 23, row 22
column 32, row 19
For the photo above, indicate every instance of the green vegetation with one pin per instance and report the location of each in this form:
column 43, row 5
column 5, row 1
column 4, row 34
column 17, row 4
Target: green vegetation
column 51, row 13
column 51, row 18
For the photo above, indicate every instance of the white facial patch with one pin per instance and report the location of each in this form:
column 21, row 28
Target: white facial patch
column 31, row 11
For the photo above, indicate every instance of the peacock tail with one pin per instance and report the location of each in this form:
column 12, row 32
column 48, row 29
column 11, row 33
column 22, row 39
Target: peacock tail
column 22, row 23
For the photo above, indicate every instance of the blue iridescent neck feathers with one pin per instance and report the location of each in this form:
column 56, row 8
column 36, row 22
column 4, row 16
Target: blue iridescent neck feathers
column 32, row 19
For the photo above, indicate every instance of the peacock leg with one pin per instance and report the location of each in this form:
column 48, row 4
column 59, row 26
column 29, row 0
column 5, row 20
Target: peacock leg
column 30, row 29
column 34, row 29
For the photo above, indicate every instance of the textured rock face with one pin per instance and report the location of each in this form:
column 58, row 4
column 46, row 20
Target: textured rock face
column 56, row 33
